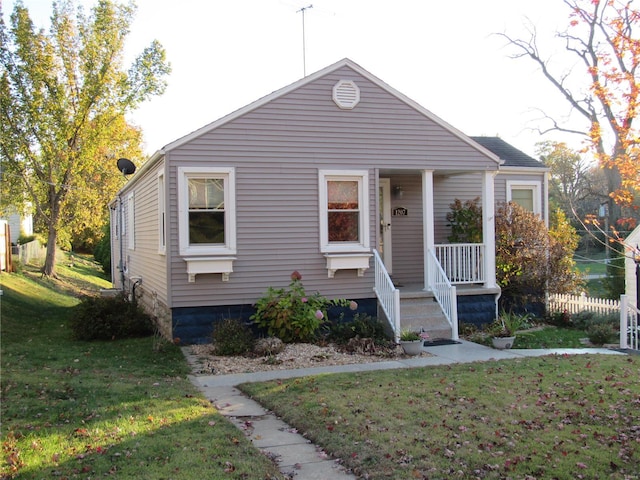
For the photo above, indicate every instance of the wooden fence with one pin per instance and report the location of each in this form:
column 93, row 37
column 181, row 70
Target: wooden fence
column 581, row 303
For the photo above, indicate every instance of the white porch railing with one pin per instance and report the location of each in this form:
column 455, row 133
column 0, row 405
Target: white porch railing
column 462, row 262
column 388, row 295
column 444, row 292
column 629, row 314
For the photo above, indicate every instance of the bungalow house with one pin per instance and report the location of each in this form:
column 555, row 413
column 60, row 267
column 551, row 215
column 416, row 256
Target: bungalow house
column 337, row 176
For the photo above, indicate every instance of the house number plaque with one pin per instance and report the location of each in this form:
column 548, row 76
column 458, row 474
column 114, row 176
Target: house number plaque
column 400, row 212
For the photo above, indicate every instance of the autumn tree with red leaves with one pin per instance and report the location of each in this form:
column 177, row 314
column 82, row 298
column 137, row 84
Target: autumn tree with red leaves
column 603, row 88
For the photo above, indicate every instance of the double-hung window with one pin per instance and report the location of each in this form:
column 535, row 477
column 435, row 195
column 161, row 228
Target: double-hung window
column 206, row 208
column 526, row 194
column 344, row 211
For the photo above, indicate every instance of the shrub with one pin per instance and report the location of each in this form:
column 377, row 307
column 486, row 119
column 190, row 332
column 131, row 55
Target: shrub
column 530, row 258
column 268, row 346
column 102, row 250
column 362, row 325
column 465, row 220
column 292, row 315
column 559, row 319
column 585, row 319
column 232, row 337
column 22, row 239
column 600, row 333
column 467, row 329
column 109, row 318
column 582, row 320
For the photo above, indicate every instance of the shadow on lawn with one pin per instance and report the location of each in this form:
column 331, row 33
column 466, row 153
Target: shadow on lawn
column 168, row 450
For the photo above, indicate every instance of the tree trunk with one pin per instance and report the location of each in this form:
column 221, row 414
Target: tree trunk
column 49, row 268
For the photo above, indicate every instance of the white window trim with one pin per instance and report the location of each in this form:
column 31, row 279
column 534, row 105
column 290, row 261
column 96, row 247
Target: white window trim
column 162, row 215
column 228, row 175
column 362, row 177
column 535, row 186
column 131, row 237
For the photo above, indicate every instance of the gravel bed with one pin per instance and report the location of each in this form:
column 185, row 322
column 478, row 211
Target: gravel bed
column 295, row 355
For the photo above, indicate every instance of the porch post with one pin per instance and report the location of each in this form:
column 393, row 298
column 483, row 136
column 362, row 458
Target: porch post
column 427, row 221
column 489, row 229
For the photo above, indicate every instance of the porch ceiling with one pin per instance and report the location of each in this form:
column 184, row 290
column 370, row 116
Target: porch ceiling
column 436, row 173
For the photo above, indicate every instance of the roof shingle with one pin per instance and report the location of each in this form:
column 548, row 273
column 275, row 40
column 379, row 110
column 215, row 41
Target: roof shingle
column 512, row 156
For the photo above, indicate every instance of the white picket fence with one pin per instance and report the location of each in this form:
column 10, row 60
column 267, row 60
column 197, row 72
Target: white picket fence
column 581, row 303
column 629, row 313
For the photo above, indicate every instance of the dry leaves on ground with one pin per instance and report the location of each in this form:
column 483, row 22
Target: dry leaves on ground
column 294, row 355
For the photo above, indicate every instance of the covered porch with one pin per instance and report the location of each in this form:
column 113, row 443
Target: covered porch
column 416, row 266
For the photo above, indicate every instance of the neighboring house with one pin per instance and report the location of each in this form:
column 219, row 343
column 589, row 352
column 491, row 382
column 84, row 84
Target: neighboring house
column 337, row 176
column 632, row 242
column 19, row 223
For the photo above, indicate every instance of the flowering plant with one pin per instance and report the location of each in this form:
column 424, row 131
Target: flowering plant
column 292, row 315
column 413, row 335
column 409, row 336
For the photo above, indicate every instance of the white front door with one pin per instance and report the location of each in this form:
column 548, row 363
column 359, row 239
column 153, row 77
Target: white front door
column 384, row 242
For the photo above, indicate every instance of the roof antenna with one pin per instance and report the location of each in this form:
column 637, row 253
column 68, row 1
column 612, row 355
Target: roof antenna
column 304, row 48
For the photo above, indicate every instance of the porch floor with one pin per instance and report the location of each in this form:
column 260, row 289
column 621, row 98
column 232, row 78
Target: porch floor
column 417, row 290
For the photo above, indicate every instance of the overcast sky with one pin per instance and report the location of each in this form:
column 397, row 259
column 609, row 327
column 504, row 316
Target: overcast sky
column 442, row 54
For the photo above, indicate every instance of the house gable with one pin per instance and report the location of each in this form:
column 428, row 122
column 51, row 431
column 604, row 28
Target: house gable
column 347, row 68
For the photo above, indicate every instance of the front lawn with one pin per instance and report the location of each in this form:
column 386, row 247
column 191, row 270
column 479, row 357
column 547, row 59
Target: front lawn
column 542, row 336
column 548, row 417
column 114, row 409
column 549, row 336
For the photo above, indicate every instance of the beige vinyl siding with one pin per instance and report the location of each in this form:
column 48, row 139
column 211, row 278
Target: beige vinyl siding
column 446, row 190
column 144, row 260
column 277, row 151
column 273, row 239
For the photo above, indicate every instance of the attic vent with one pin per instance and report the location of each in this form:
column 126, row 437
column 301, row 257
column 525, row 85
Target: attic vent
column 346, row 94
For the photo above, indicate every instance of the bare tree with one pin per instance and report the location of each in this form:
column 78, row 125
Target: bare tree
column 605, row 91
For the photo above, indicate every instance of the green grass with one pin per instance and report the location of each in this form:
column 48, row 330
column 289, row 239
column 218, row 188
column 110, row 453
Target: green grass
column 596, row 288
column 550, row 337
column 544, row 336
column 592, row 263
column 88, row 410
column 559, row 417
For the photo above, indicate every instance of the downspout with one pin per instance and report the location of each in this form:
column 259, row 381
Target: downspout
column 120, row 261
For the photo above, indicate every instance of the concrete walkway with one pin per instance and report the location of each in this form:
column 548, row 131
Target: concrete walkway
column 297, row 456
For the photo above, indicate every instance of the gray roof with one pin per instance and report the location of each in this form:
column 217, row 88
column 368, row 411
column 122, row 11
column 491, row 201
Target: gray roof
column 511, row 155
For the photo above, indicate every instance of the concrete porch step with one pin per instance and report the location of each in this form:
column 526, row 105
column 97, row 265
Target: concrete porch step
column 421, row 311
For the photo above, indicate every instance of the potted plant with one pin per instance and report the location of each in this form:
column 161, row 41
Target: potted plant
column 503, row 329
column 412, row 341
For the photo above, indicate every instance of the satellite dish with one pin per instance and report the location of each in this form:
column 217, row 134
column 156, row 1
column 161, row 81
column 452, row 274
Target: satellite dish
column 126, row 166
